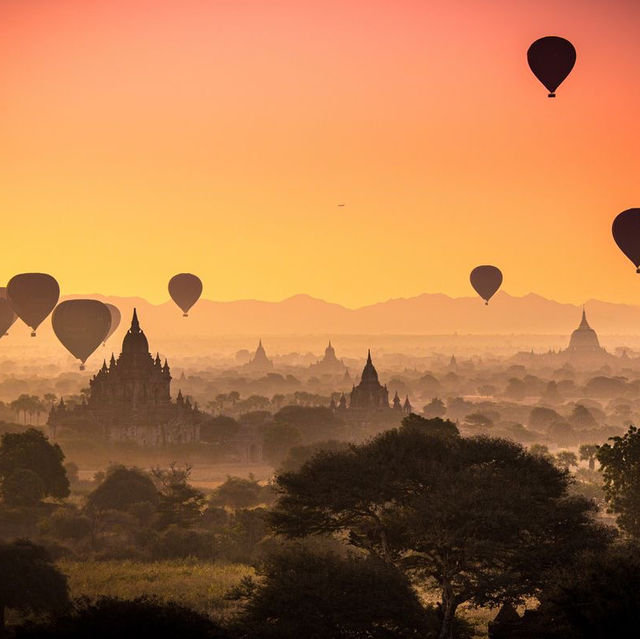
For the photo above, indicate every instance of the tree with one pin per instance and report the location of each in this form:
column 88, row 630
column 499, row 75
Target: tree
column 238, row 492
column 313, row 422
column 277, row 441
column 565, row 459
column 22, row 488
column 299, row 455
column 596, row 597
column 620, row 467
column 109, row 617
column 540, row 450
column 435, row 408
column 319, row 594
column 434, row 427
column 541, row 417
column 581, row 418
column 32, row 451
column 478, row 422
column 588, row 453
column 479, row 518
column 29, row 581
column 121, row 488
column 219, row 429
column 180, row 503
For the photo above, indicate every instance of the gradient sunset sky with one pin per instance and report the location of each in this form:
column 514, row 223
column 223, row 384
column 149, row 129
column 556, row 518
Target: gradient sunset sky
column 139, row 138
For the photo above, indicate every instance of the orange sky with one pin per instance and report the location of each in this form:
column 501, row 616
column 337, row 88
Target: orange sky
column 139, row 138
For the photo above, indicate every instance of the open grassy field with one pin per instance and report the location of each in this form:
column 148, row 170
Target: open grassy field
column 199, row 585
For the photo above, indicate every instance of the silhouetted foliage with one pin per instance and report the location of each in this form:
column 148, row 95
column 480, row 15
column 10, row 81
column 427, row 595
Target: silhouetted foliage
column 299, row 455
column 179, row 503
column 109, row 617
column 29, row 581
column 321, row 595
column 219, row 429
column 434, row 427
column 32, row 451
column 481, row 517
column 597, row 597
column 238, row 492
column 121, row 488
column 620, row 467
column 277, row 441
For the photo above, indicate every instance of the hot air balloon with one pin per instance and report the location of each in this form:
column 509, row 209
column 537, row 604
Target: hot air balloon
column 7, row 315
column 185, row 290
column 115, row 320
column 486, row 281
column 33, row 296
column 81, row 326
column 551, row 60
column 626, row 233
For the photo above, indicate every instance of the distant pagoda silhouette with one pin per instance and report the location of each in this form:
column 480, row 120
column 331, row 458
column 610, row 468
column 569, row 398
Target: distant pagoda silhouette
column 329, row 364
column 369, row 394
column 259, row 363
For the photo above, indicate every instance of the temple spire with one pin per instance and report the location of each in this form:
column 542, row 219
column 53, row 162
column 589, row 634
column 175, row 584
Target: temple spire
column 584, row 323
column 135, row 324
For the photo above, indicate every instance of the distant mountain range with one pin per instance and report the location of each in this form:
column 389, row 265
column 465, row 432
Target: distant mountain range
column 427, row 314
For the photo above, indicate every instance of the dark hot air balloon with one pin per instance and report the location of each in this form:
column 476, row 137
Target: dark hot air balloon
column 486, row 280
column 81, row 326
column 185, row 290
column 115, row 320
column 33, row 296
column 626, row 233
column 551, row 60
column 7, row 316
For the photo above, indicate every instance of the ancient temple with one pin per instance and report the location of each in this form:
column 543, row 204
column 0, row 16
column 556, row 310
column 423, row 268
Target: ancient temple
column 130, row 399
column 584, row 340
column 259, row 363
column 369, row 394
column 329, row 364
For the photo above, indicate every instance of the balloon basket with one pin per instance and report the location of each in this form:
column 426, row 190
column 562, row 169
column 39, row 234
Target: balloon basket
column 551, row 95
column 33, row 334
column 637, row 271
column 185, row 315
column 81, row 367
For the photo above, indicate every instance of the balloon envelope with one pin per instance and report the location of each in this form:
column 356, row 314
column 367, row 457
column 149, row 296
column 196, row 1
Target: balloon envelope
column 81, row 326
column 33, row 296
column 7, row 315
column 486, row 280
column 185, row 290
column 626, row 233
column 551, row 60
column 115, row 320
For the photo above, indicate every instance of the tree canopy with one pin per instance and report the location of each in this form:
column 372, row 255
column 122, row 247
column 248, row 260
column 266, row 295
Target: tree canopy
column 320, row 595
column 29, row 581
column 479, row 518
column 620, row 466
column 31, row 451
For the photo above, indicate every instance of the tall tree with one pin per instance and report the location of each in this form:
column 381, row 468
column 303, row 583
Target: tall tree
column 588, row 453
column 180, row 503
column 479, row 519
